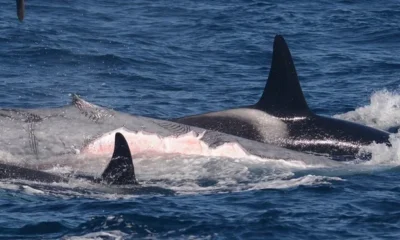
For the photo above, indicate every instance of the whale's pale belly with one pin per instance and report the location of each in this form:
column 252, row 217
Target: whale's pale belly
column 142, row 142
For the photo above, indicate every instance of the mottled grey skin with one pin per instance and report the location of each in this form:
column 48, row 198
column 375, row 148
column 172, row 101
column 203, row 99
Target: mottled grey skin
column 38, row 134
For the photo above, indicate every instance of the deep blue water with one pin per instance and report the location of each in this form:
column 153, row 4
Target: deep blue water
column 168, row 59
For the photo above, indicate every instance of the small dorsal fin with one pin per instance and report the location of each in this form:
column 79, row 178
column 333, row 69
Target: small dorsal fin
column 92, row 111
column 120, row 170
column 282, row 94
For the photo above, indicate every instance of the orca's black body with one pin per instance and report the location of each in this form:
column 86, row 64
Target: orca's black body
column 8, row 171
column 282, row 117
column 120, row 170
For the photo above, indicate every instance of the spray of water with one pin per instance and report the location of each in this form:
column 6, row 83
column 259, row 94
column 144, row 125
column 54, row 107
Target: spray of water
column 383, row 112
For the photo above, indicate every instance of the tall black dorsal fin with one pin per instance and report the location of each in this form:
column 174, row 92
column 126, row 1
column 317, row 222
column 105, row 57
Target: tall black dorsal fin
column 282, row 94
column 20, row 9
column 120, row 170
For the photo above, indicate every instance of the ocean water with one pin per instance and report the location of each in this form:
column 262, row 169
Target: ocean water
column 168, row 59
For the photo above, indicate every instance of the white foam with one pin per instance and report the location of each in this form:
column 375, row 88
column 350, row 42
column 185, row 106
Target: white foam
column 218, row 175
column 191, row 175
column 383, row 154
column 308, row 180
column 8, row 186
column 114, row 235
column 383, row 112
column 22, row 186
column 184, row 174
column 31, row 190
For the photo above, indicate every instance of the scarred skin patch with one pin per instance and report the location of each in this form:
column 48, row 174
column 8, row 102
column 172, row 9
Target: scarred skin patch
column 140, row 142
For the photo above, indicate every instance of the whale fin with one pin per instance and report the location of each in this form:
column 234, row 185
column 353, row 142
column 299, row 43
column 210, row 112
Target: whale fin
column 120, row 170
column 94, row 112
column 282, row 94
column 20, row 9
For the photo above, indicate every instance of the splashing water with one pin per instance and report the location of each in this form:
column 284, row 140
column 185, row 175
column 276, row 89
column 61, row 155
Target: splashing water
column 383, row 112
column 383, row 154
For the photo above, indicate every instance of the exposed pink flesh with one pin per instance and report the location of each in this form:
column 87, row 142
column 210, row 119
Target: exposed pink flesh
column 141, row 142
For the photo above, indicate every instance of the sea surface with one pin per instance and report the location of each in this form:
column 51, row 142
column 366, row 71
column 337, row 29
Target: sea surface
column 167, row 59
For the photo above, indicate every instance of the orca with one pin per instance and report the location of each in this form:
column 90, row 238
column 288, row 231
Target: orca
column 282, row 117
column 120, row 170
column 20, row 9
column 8, row 171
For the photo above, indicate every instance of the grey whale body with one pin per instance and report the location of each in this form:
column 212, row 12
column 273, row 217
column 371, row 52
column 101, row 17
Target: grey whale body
column 67, row 133
column 33, row 135
column 120, row 170
column 282, row 117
